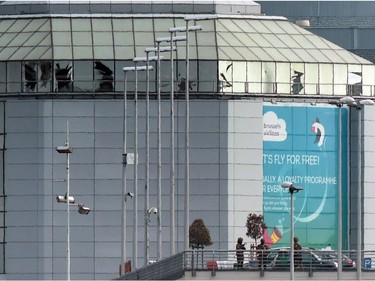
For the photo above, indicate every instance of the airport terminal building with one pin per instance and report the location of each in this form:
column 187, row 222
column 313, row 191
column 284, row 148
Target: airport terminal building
column 260, row 105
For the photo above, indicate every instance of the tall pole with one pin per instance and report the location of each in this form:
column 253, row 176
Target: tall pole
column 292, row 188
column 159, row 156
column 123, row 197
column 186, row 29
column 135, row 224
column 339, row 195
column 147, row 170
column 348, row 100
column 67, row 199
column 187, row 150
column 291, row 235
column 158, row 50
column 359, row 188
column 172, row 172
column 359, row 195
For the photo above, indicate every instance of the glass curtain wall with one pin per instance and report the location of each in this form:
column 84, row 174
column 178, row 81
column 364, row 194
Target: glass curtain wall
column 229, row 55
column 208, row 76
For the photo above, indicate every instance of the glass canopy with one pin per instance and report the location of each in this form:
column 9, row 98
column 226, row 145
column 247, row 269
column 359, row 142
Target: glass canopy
column 231, row 54
column 244, row 39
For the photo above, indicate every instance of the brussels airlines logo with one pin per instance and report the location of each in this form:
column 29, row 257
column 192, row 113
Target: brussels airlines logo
column 274, row 129
column 319, row 130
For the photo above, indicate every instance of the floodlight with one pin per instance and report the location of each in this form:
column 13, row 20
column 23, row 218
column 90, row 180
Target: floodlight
column 83, row 210
column 367, row 102
column 160, row 49
column 347, row 100
column 183, row 28
column 291, row 187
column 64, row 149
column 286, row 184
column 138, row 68
column 152, row 210
column 62, row 199
column 168, row 39
column 143, row 59
column 128, row 68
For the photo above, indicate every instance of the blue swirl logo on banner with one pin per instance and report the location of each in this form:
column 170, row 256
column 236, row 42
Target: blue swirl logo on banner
column 300, row 145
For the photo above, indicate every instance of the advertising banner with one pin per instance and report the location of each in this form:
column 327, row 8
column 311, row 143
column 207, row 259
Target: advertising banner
column 301, row 146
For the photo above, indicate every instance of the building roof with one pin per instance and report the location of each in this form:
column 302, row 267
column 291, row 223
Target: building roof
column 121, row 37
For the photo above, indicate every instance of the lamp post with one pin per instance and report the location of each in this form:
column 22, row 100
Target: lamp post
column 123, row 240
column 360, row 104
column 67, row 149
column 187, row 123
column 124, row 162
column 67, row 199
column 129, row 158
column 158, row 50
column 292, row 189
column 149, row 211
column 348, row 101
column 147, row 59
column 172, row 39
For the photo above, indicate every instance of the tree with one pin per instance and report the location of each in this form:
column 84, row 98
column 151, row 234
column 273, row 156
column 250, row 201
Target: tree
column 255, row 226
column 199, row 235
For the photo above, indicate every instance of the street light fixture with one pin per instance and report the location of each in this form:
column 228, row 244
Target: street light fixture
column 83, row 210
column 62, row 199
column 149, row 211
column 187, row 125
column 122, row 268
column 67, row 150
column 147, row 59
column 158, row 50
column 292, row 189
column 129, row 158
column 172, row 145
column 67, row 199
column 350, row 101
column 360, row 104
column 64, row 149
column 152, row 210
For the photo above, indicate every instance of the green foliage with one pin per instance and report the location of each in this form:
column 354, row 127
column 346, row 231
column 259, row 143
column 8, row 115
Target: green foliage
column 255, row 226
column 199, row 235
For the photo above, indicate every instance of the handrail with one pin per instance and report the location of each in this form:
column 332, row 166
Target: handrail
column 99, row 87
column 222, row 260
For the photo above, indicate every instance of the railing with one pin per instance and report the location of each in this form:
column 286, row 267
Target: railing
column 216, row 261
column 171, row 268
column 276, row 259
column 116, row 87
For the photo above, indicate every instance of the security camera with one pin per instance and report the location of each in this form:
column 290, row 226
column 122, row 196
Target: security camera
column 152, row 210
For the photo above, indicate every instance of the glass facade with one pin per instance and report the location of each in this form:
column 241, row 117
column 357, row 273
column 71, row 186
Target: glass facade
column 247, row 55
